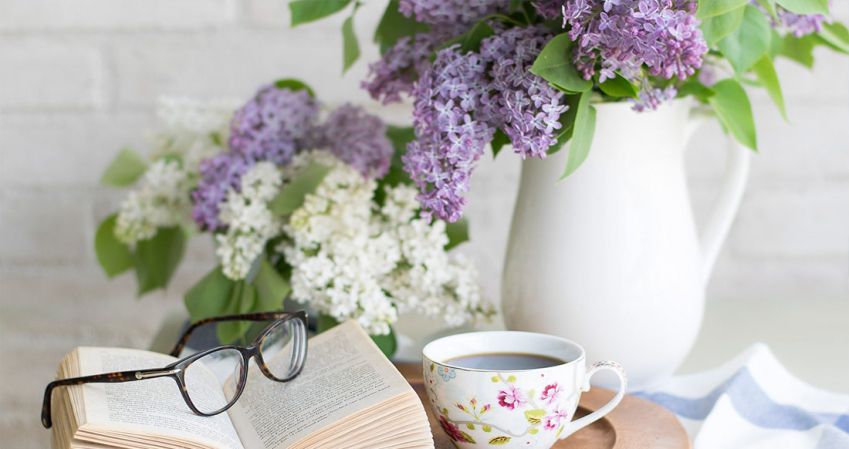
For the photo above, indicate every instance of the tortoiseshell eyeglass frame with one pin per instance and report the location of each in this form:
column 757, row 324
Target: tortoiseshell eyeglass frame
column 177, row 369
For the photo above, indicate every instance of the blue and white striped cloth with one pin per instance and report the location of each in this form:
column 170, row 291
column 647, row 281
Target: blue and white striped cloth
column 753, row 402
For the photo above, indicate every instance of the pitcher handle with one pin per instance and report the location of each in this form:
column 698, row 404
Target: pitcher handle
column 715, row 229
column 580, row 423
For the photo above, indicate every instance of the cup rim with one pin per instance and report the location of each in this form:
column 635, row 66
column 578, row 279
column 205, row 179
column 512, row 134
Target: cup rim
column 429, row 347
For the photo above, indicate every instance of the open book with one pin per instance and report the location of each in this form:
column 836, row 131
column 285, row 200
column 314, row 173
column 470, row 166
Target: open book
column 348, row 396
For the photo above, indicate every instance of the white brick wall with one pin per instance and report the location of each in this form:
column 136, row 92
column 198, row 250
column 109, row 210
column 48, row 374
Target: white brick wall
column 78, row 79
column 44, row 74
column 117, row 15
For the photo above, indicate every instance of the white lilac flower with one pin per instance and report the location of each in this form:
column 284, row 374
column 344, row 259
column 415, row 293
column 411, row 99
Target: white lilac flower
column 354, row 260
column 191, row 129
column 250, row 223
column 161, row 200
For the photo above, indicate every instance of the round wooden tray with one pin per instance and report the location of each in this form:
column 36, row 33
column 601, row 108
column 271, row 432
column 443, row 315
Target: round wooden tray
column 634, row 424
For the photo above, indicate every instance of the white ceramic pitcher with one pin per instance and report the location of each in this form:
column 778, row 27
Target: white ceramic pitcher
column 610, row 256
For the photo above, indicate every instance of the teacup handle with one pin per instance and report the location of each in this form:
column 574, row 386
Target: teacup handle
column 617, row 369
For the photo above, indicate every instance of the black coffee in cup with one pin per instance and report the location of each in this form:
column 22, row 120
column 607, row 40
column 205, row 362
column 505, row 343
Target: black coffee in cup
column 506, row 361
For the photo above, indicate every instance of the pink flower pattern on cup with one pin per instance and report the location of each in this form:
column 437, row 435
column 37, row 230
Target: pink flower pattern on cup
column 552, row 421
column 511, row 397
column 550, row 393
column 454, row 431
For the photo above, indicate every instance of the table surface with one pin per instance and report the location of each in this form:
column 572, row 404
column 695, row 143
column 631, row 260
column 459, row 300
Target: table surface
column 809, row 336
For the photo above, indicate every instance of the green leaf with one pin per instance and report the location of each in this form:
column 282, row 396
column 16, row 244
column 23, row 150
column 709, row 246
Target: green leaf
column 769, row 6
column 717, row 27
column 798, row 49
column 533, row 431
column 394, row 25
column 350, row 46
column 776, row 42
column 554, row 64
column 388, row 343
column 749, row 43
column 270, row 286
column 458, row 232
column 534, row 416
column 325, row 322
column 732, row 106
column 562, row 138
column 396, row 175
column 471, row 41
column 582, row 134
column 242, row 300
column 486, row 428
column 711, row 8
column 113, row 255
column 304, row 11
column 836, row 36
column 291, row 195
column 500, row 440
column 618, row 87
column 125, row 169
column 470, row 426
column 567, row 123
column 156, row 259
column 696, row 89
column 765, row 71
column 400, row 136
column 294, row 85
column 210, row 296
column 499, row 139
column 805, row 6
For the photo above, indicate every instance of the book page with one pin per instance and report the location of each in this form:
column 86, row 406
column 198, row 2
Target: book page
column 344, row 373
column 151, row 406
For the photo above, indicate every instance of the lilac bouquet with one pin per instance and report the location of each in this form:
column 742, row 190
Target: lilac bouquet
column 299, row 203
column 527, row 72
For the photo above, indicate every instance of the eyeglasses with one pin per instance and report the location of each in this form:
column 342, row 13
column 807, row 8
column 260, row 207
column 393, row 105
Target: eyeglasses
column 280, row 351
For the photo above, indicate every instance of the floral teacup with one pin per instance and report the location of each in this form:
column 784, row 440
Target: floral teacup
column 521, row 408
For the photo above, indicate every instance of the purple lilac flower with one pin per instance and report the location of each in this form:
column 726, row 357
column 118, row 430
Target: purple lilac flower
column 523, row 105
column 269, row 127
column 400, row 66
column 449, row 141
column 357, row 138
column 273, row 124
column 651, row 97
column 462, row 99
column 217, row 175
column 396, row 71
column 450, row 12
column 625, row 35
column 799, row 24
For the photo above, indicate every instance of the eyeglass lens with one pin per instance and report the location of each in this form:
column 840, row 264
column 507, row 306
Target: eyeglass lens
column 282, row 348
column 202, row 383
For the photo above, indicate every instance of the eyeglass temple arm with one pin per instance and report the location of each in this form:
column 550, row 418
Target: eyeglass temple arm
column 258, row 316
column 118, row 376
